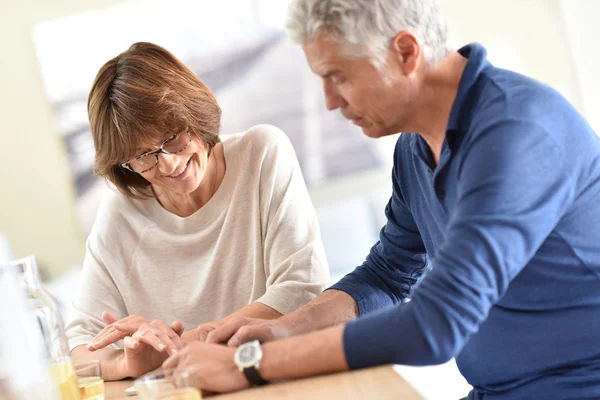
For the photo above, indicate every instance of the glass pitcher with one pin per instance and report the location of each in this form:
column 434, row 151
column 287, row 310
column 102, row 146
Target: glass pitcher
column 52, row 327
column 23, row 369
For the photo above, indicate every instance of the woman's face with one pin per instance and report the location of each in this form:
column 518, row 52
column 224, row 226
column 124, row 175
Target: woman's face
column 180, row 173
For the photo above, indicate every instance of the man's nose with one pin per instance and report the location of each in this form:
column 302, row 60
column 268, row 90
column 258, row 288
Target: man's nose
column 333, row 99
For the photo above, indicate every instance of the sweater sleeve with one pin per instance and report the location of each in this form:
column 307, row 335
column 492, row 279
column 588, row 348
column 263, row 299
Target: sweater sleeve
column 394, row 265
column 294, row 258
column 513, row 189
column 97, row 291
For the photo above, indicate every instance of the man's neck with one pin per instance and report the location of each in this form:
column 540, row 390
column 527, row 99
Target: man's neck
column 435, row 105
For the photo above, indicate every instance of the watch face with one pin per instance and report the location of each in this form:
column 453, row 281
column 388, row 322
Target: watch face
column 247, row 354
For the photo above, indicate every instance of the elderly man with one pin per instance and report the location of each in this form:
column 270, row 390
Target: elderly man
column 494, row 212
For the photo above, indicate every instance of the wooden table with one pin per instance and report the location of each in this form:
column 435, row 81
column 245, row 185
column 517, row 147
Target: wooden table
column 373, row 383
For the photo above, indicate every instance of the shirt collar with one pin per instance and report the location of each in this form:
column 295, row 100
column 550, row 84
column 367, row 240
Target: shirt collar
column 460, row 113
column 476, row 56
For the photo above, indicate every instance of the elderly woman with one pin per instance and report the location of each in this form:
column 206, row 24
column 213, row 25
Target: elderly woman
column 200, row 228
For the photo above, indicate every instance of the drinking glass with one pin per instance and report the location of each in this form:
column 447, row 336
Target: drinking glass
column 89, row 377
column 161, row 386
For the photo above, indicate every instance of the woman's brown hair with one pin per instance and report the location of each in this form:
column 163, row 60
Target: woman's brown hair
column 140, row 97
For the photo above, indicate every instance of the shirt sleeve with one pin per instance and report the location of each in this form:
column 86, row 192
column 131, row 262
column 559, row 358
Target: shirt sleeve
column 395, row 264
column 294, row 257
column 513, row 188
column 96, row 293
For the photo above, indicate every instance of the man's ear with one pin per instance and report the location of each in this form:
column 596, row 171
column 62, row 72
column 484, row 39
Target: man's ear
column 406, row 51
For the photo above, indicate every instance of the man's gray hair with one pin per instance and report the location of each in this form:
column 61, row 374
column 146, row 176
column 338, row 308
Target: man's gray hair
column 365, row 28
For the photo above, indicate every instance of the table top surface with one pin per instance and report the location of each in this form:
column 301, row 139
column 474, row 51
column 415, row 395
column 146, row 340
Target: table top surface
column 377, row 383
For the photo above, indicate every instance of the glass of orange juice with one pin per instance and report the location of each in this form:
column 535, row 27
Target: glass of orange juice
column 89, row 377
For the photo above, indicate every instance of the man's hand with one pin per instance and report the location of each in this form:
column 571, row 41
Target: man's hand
column 331, row 308
column 211, row 367
column 240, row 330
column 201, row 332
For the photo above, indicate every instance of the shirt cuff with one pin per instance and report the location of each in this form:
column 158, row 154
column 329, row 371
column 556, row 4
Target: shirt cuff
column 283, row 300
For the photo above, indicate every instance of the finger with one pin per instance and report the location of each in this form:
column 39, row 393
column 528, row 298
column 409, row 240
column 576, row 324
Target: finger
column 128, row 328
column 150, row 338
column 223, row 333
column 173, row 360
column 176, row 339
column 109, row 318
column 177, row 326
column 170, row 339
column 109, row 329
column 111, row 337
column 173, row 341
column 132, row 346
column 167, row 335
column 130, row 319
column 203, row 332
column 100, row 335
column 105, row 331
column 248, row 333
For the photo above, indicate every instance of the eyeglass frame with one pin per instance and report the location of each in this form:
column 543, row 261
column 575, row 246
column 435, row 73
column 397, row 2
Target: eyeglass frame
column 155, row 153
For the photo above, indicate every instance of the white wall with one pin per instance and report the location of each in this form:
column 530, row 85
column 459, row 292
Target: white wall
column 37, row 212
column 581, row 19
column 527, row 36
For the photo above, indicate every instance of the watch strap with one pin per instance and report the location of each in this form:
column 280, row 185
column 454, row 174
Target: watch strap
column 254, row 377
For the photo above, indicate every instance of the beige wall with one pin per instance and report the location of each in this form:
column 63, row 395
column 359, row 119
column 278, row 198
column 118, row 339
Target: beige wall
column 37, row 212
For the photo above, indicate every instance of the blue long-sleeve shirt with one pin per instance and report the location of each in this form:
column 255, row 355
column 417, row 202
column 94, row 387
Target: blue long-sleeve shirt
column 502, row 238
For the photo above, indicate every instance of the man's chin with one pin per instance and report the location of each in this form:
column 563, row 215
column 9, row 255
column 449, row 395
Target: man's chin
column 376, row 132
column 372, row 132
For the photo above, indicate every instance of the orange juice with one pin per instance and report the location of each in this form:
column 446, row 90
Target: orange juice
column 65, row 378
column 91, row 388
column 181, row 394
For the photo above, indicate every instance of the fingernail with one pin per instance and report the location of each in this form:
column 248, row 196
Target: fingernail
column 161, row 347
column 234, row 343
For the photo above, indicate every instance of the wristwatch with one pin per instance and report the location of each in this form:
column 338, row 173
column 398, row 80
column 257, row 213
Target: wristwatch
column 247, row 358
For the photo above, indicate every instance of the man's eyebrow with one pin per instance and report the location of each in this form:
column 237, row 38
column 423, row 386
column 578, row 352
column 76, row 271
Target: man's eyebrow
column 330, row 73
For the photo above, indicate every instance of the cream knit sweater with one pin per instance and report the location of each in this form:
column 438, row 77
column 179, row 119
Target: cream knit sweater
column 257, row 239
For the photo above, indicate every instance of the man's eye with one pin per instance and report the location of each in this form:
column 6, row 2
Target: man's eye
column 336, row 80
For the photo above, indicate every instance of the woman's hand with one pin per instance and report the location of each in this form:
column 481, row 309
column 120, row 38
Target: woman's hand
column 156, row 332
column 146, row 344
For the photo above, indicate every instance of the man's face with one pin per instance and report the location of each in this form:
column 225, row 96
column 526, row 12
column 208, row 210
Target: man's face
column 377, row 101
